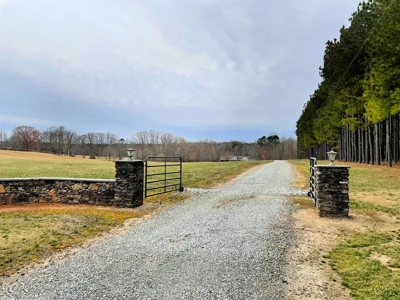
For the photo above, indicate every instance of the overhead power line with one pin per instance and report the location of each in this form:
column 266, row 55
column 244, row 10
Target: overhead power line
column 358, row 52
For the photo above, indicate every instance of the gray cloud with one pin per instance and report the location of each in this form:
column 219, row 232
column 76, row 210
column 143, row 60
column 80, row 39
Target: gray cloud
column 178, row 64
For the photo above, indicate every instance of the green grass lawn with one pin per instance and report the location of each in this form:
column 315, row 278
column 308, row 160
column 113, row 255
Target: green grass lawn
column 368, row 261
column 27, row 164
column 196, row 175
column 212, row 174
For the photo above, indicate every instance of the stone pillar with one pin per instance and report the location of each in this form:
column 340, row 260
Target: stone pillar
column 332, row 191
column 129, row 183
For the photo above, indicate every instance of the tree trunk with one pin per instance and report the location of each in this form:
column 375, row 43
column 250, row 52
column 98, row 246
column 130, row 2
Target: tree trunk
column 388, row 146
column 371, row 148
column 348, row 144
column 360, row 146
column 354, row 146
column 366, row 153
column 377, row 150
column 396, row 133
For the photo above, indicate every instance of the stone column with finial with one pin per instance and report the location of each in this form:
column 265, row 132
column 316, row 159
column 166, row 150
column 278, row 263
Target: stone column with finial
column 332, row 188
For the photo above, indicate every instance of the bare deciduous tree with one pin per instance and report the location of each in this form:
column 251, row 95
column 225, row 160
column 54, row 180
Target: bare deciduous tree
column 111, row 141
column 71, row 138
column 3, row 138
column 26, row 137
column 60, row 140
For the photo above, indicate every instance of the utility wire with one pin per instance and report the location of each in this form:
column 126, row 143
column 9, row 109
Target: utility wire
column 358, row 52
column 366, row 39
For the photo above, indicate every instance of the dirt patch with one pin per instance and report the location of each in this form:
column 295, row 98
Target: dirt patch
column 383, row 259
column 309, row 273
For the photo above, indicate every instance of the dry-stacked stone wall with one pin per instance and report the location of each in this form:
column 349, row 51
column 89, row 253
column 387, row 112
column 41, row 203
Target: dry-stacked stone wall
column 125, row 191
column 129, row 180
column 332, row 190
column 57, row 190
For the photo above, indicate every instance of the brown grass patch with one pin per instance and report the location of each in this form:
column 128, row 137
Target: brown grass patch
column 387, row 199
column 24, row 155
column 40, row 233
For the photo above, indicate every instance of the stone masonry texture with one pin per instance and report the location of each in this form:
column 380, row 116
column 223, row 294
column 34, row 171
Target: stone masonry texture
column 129, row 179
column 332, row 190
column 57, row 190
column 125, row 191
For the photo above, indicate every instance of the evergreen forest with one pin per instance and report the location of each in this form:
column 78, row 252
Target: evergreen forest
column 355, row 109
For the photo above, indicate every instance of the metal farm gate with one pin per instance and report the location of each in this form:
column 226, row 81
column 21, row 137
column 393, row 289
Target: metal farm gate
column 313, row 163
column 163, row 175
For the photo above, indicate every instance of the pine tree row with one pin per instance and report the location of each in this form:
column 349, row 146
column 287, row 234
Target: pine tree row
column 356, row 107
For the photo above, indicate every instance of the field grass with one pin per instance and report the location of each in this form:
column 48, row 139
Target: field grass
column 14, row 164
column 368, row 260
column 210, row 174
column 30, row 164
column 30, row 233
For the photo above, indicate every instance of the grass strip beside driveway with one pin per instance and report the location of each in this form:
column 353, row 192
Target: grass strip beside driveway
column 367, row 257
column 30, row 234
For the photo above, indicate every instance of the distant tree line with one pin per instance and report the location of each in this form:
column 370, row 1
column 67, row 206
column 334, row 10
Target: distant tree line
column 60, row 140
column 356, row 107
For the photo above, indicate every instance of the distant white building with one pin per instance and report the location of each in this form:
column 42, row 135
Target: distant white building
column 228, row 158
column 244, row 158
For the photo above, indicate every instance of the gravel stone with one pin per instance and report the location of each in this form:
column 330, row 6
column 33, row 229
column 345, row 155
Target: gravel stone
column 224, row 243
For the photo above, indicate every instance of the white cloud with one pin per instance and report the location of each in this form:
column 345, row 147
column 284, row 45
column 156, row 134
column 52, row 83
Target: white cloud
column 208, row 63
column 2, row 2
column 122, row 55
column 17, row 120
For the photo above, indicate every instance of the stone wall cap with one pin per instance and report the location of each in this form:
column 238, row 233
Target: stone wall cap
column 328, row 166
column 129, row 161
column 59, row 178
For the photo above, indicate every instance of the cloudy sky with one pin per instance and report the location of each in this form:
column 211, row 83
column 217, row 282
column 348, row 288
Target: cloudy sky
column 218, row 69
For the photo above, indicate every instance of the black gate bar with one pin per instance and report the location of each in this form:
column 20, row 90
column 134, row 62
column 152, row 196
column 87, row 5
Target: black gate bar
column 170, row 184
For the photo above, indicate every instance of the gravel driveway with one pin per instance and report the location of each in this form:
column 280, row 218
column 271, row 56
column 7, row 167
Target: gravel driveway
column 225, row 243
